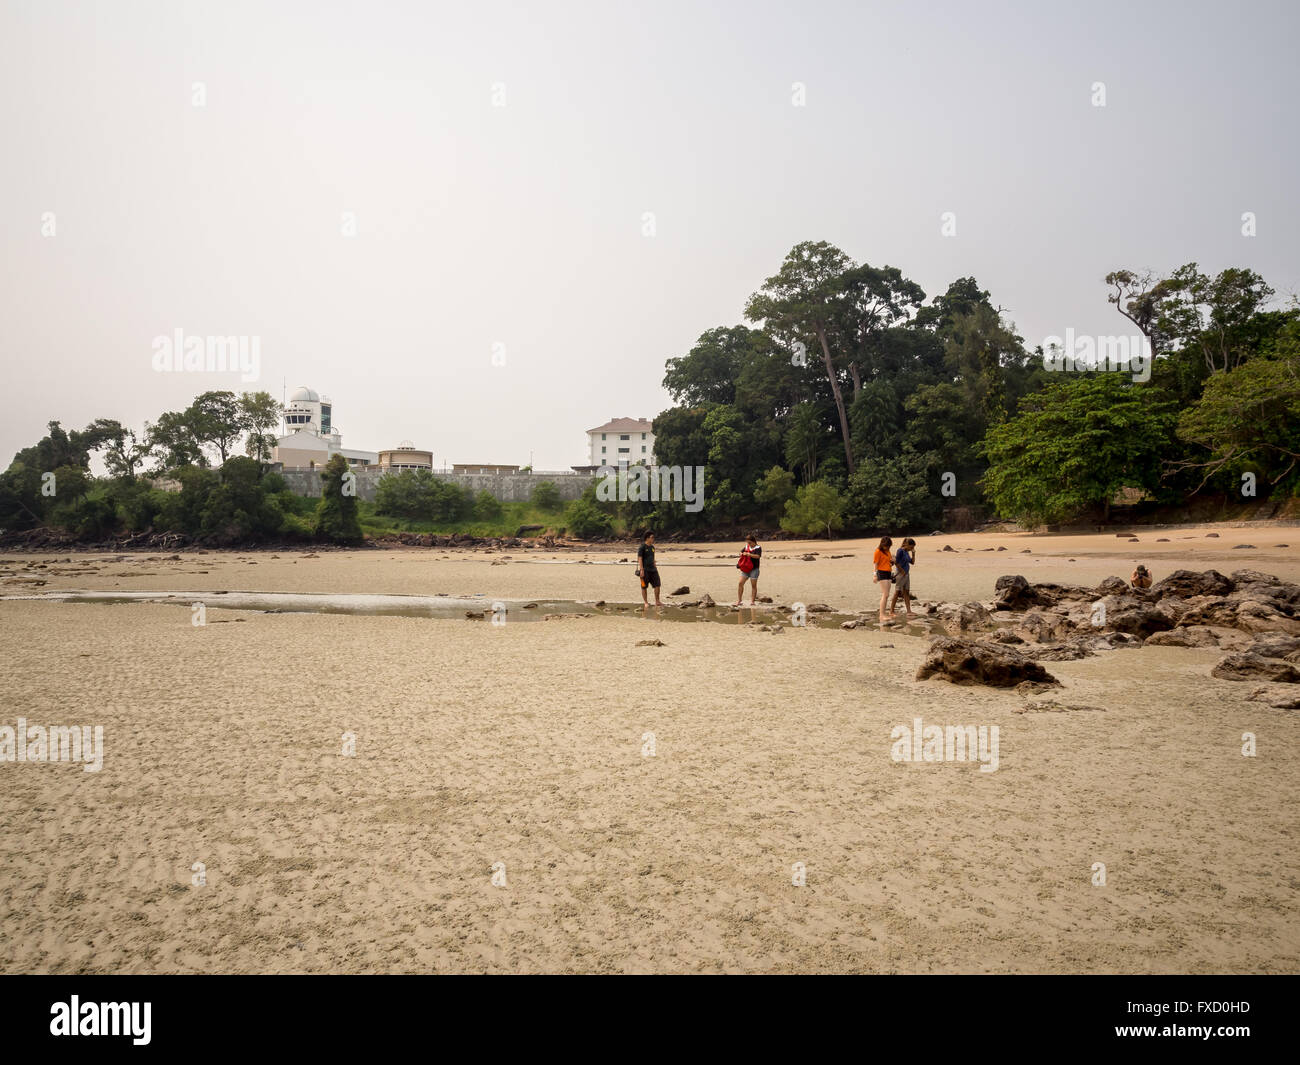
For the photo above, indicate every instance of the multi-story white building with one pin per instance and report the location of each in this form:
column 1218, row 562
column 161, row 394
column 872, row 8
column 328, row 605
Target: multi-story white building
column 310, row 436
column 622, row 442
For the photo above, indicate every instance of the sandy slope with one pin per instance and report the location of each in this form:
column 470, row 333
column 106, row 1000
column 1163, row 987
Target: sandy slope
column 523, row 744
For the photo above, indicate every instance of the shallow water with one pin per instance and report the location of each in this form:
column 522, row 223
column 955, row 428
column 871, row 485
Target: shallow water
column 447, row 607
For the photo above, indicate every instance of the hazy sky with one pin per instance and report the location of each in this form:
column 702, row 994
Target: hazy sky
column 522, row 225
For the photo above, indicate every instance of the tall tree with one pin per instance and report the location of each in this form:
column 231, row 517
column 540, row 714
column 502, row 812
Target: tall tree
column 215, row 419
column 803, row 302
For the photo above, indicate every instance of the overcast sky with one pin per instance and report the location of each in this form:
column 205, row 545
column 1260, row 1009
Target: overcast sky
column 524, row 225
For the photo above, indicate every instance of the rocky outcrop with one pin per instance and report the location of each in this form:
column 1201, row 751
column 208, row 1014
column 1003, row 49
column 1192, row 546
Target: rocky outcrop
column 958, row 618
column 967, row 662
column 1256, row 667
column 1186, row 583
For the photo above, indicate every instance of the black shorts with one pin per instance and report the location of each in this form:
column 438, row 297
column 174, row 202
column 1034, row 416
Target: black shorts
column 651, row 579
column 884, row 575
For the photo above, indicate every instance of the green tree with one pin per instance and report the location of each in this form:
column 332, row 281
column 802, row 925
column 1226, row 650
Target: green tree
column 173, row 441
column 775, row 488
column 336, row 514
column 816, row 507
column 1248, row 421
column 1075, row 445
column 215, row 420
column 258, row 414
column 123, row 452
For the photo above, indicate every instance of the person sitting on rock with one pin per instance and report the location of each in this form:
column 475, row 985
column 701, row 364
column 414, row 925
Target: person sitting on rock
column 1141, row 577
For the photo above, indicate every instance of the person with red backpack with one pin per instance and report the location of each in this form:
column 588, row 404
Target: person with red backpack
column 750, row 557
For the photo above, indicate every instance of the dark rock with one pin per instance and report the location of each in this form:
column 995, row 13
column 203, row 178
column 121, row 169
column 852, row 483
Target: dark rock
column 969, row 662
column 685, row 589
column 1273, row 646
column 1244, row 547
column 1013, row 592
column 1186, row 583
column 1254, row 667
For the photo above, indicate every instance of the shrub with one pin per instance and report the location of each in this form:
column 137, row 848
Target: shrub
column 585, row 520
column 546, row 495
column 487, row 507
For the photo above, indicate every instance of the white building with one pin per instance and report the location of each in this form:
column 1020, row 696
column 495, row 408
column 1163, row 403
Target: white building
column 622, row 442
column 310, row 436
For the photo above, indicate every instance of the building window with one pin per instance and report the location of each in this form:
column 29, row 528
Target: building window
column 624, row 450
column 602, row 451
column 625, row 437
column 602, row 436
column 643, row 436
column 643, row 449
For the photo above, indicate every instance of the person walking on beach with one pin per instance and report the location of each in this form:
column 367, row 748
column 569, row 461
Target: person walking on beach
column 750, row 556
column 904, row 559
column 883, row 563
column 646, row 568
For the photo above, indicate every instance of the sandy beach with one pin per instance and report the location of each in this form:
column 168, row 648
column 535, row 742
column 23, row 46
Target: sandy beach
column 649, row 803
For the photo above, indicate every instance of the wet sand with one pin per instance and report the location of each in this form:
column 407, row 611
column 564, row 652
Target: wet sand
column 527, row 745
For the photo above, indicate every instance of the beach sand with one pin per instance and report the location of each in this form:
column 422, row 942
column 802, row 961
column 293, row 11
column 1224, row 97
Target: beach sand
column 526, row 744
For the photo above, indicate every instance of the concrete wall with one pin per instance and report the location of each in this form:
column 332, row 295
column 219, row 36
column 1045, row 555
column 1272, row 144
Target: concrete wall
column 508, row 487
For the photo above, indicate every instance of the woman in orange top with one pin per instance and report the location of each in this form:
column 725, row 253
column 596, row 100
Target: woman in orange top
column 883, row 563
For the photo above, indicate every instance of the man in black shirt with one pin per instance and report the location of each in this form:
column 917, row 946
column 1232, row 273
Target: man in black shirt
column 646, row 568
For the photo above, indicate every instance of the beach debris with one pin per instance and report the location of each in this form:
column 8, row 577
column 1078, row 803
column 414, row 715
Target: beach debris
column 651, row 643
column 475, row 615
column 808, row 558
column 1281, row 545
column 530, row 606
column 1163, row 540
column 948, row 547
column 706, row 600
column 849, row 624
column 1211, row 536
column 818, row 608
column 1244, row 547
column 1051, row 706
column 1032, row 687
column 968, row 662
column 685, row 589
